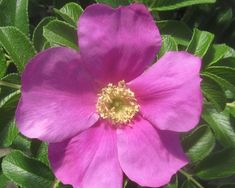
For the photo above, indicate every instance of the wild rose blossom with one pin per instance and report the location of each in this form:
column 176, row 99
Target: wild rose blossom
column 103, row 110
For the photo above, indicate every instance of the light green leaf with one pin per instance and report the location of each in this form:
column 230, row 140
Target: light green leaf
column 17, row 45
column 38, row 38
column 168, row 44
column 176, row 29
column 199, row 143
column 200, row 42
column 221, row 125
column 25, row 171
column 217, row 165
column 61, row 33
column 15, row 13
column 165, row 5
column 70, row 13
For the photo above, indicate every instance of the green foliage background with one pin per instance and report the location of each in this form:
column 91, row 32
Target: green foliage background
column 205, row 28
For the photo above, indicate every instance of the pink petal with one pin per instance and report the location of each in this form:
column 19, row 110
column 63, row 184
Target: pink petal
column 148, row 156
column 117, row 44
column 169, row 92
column 88, row 160
column 58, row 98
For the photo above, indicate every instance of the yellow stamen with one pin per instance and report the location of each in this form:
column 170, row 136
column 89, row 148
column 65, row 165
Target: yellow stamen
column 117, row 103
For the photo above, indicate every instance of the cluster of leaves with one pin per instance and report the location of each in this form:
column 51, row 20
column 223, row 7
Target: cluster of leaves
column 27, row 28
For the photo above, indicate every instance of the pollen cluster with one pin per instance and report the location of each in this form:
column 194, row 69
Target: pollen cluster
column 117, row 103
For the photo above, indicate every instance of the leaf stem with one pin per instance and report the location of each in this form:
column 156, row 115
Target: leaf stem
column 8, row 84
column 190, row 177
column 55, row 183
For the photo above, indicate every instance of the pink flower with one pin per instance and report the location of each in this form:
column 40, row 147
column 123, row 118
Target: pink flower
column 102, row 112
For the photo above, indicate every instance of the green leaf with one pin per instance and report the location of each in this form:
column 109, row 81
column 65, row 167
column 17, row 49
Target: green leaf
column 22, row 143
column 200, row 42
column 12, row 78
column 25, row 171
column 217, row 165
column 177, row 29
column 42, row 154
column 61, row 33
column 199, row 143
column 224, row 84
column 165, row 5
column 215, row 53
column 226, row 62
column 227, row 186
column 3, row 64
column 5, row 151
column 8, row 130
column 221, row 125
column 168, row 44
column 213, row 91
column 17, row 45
column 227, row 73
column 6, row 183
column 38, row 38
column 188, row 184
column 231, row 108
column 15, row 13
column 70, row 13
column 223, row 19
column 114, row 3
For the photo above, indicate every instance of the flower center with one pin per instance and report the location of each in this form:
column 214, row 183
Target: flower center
column 117, row 103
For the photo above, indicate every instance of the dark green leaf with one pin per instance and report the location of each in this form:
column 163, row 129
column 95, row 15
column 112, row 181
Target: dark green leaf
column 17, row 45
column 226, row 62
column 3, row 64
column 168, row 44
column 178, row 30
column 114, row 3
column 227, row 73
column 25, row 171
column 231, row 108
column 213, row 91
column 215, row 53
column 221, row 81
column 8, row 130
column 200, row 42
column 22, row 143
column 164, row 5
column 217, row 165
column 199, row 143
column 188, row 184
column 15, row 13
column 70, row 13
column 12, row 78
column 38, row 38
column 227, row 186
column 221, row 125
column 61, row 33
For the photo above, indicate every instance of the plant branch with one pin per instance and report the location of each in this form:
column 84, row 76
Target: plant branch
column 190, row 177
column 8, row 84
